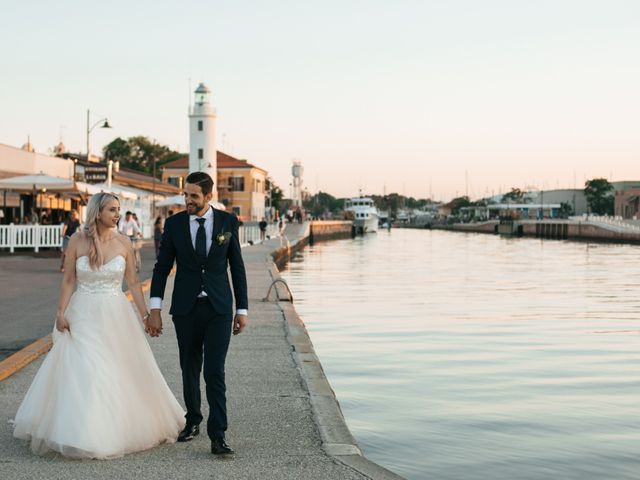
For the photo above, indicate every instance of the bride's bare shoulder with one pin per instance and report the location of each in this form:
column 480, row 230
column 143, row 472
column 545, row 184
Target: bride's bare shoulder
column 123, row 239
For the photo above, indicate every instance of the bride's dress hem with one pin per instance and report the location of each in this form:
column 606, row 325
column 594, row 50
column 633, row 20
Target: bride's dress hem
column 43, row 447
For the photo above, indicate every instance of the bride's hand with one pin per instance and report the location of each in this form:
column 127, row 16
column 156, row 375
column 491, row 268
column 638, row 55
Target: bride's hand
column 62, row 323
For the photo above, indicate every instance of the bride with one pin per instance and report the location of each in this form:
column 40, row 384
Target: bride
column 99, row 392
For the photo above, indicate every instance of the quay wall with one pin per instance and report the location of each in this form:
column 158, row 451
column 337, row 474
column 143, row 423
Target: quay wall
column 329, row 230
column 312, row 232
column 549, row 229
column 578, row 231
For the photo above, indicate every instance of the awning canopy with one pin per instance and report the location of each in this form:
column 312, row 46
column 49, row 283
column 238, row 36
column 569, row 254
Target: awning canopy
column 93, row 188
column 36, row 182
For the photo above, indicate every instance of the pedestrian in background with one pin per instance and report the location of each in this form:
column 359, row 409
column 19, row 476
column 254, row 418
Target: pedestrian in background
column 131, row 229
column 137, row 242
column 70, row 227
column 157, row 234
column 263, row 228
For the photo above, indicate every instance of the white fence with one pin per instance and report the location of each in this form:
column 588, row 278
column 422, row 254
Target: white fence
column 49, row 236
column 616, row 224
column 250, row 234
column 30, row 236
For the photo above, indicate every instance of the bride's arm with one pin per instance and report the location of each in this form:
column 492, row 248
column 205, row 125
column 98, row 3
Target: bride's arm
column 133, row 281
column 68, row 283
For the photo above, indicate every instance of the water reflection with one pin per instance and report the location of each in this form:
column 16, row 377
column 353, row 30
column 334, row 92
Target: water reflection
column 463, row 356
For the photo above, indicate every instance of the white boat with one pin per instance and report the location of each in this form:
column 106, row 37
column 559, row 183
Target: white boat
column 365, row 214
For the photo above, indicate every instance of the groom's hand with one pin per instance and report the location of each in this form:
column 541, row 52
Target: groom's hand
column 154, row 323
column 239, row 322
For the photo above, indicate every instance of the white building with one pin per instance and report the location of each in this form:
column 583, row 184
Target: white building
column 571, row 196
column 24, row 161
column 202, row 135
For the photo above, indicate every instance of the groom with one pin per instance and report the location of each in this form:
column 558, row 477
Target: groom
column 203, row 242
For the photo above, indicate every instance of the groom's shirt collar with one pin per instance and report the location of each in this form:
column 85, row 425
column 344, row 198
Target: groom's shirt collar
column 208, row 215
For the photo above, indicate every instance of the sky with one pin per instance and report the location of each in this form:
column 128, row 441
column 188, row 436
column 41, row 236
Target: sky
column 424, row 98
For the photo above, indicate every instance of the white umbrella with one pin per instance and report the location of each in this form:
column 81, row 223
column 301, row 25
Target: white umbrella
column 170, row 201
column 93, row 188
column 36, row 182
column 179, row 201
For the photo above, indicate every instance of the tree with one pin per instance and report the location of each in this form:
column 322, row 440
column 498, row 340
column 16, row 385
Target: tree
column 276, row 193
column 566, row 210
column 599, row 198
column 323, row 202
column 459, row 202
column 139, row 153
column 515, row 195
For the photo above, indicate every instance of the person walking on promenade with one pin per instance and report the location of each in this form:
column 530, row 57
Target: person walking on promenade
column 157, row 234
column 70, row 227
column 137, row 242
column 129, row 227
column 99, row 392
column 203, row 242
column 263, row 228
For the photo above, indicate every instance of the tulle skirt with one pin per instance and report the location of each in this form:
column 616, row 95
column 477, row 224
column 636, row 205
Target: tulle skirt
column 99, row 392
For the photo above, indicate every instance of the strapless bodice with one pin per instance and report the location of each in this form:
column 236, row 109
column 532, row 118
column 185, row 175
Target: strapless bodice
column 106, row 280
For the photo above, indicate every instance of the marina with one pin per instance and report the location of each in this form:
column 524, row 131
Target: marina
column 464, row 356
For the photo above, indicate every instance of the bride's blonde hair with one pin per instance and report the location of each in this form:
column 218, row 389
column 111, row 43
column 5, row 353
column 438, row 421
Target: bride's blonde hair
column 95, row 206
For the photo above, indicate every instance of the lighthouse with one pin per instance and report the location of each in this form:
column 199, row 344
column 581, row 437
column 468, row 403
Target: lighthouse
column 202, row 135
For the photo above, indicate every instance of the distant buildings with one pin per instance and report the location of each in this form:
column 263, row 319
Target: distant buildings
column 15, row 162
column 627, row 200
column 573, row 197
column 240, row 185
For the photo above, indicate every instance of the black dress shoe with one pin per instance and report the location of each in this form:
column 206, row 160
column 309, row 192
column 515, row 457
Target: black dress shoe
column 188, row 433
column 220, row 447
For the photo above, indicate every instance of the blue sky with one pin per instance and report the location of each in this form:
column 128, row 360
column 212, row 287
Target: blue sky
column 407, row 95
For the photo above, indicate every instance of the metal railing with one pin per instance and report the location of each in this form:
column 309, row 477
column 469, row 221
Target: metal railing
column 614, row 223
column 30, row 236
column 250, row 234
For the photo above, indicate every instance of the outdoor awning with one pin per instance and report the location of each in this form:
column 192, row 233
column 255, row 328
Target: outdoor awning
column 36, row 182
column 93, row 188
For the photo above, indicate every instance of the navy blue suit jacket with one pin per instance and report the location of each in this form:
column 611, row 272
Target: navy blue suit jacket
column 191, row 274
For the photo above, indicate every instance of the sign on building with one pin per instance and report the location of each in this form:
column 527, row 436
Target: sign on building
column 95, row 173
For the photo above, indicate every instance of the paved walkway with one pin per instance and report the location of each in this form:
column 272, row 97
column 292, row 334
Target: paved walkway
column 272, row 424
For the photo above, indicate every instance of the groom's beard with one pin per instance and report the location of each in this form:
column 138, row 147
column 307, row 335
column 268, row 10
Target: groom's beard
column 194, row 208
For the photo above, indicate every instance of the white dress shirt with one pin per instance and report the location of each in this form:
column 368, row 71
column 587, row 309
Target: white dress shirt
column 129, row 228
column 156, row 302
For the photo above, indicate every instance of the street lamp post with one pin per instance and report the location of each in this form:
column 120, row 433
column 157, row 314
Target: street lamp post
column 90, row 129
column 153, row 201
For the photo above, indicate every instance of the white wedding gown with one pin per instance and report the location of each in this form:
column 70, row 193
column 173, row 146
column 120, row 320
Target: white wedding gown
column 99, row 392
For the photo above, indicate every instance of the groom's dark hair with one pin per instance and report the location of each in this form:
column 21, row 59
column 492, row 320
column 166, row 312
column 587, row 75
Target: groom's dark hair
column 203, row 180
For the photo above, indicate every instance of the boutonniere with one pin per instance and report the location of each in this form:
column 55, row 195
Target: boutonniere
column 223, row 238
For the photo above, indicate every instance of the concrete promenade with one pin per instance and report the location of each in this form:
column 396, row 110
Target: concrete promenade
column 284, row 421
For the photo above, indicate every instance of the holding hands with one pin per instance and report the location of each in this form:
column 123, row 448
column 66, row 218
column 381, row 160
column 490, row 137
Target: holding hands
column 153, row 323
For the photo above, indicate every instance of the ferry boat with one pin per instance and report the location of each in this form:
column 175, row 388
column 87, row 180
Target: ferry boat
column 365, row 214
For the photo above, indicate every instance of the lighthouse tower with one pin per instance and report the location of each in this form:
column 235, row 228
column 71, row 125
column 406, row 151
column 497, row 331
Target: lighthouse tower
column 202, row 135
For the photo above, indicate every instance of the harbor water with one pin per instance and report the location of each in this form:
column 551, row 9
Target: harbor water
column 470, row 356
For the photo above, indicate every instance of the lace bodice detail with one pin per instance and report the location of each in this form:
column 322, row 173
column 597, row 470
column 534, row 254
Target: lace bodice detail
column 106, row 280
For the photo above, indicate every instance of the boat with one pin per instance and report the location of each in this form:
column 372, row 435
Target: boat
column 365, row 214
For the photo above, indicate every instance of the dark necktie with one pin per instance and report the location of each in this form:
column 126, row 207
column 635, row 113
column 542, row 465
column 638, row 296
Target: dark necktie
column 201, row 240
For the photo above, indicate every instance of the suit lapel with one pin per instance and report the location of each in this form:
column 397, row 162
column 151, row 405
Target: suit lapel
column 217, row 228
column 187, row 232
